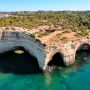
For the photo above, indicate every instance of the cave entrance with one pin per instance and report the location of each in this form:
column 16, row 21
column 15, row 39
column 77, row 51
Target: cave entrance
column 19, row 61
column 57, row 60
column 83, row 52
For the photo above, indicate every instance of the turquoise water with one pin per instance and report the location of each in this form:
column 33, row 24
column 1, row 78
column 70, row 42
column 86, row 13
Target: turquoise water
column 75, row 77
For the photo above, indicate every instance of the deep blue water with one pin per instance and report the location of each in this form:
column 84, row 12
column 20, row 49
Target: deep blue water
column 75, row 77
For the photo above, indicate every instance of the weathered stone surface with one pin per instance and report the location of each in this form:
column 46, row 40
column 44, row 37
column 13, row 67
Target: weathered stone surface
column 12, row 37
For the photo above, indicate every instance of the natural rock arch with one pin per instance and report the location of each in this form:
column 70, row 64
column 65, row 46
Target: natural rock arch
column 57, row 56
column 14, row 36
column 27, row 65
column 56, row 60
column 11, row 37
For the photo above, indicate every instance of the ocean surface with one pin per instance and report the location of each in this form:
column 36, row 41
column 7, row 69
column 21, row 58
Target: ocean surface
column 75, row 77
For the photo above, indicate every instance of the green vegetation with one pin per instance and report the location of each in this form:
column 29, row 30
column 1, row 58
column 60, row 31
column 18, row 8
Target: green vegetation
column 18, row 51
column 82, row 33
column 59, row 35
column 63, row 38
column 44, row 34
column 66, row 19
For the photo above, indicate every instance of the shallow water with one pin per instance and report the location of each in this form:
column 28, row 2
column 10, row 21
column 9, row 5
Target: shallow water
column 75, row 77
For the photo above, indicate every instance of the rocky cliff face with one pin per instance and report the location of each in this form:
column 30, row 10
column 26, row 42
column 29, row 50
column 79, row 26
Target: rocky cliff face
column 11, row 37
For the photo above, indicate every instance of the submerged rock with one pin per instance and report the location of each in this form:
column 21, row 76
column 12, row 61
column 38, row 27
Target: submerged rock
column 50, row 68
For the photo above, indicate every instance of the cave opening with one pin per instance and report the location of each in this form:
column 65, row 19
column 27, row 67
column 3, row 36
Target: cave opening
column 19, row 61
column 57, row 60
column 83, row 52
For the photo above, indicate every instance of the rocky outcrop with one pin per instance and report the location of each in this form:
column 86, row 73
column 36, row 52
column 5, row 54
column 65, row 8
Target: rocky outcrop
column 67, row 50
column 11, row 37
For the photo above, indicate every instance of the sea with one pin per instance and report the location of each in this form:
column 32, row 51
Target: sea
column 14, row 75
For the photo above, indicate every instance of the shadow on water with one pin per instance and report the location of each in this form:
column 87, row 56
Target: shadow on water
column 22, row 64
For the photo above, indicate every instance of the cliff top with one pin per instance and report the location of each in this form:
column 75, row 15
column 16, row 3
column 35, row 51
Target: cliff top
column 50, row 36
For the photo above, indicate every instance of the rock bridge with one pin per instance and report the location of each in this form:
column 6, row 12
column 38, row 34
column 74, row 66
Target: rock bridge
column 15, row 37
